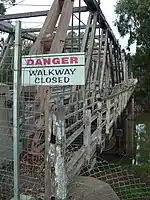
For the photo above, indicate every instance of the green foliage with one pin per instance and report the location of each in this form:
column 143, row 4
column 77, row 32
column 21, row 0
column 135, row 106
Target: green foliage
column 141, row 171
column 133, row 19
column 2, row 8
column 2, row 5
column 140, row 64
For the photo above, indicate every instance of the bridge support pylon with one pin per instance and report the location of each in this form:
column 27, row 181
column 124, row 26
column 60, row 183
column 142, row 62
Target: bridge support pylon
column 125, row 131
column 130, row 129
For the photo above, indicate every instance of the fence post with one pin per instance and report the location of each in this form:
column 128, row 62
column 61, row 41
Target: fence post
column 60, row 166
column 16, row 90
column 49, row 149
column 56, row 175
column 87, row 134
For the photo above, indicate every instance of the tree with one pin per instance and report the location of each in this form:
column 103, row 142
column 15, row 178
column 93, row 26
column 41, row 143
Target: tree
column 2, row 5
column 133, row 19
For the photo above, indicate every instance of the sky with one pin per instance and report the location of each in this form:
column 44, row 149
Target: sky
column 107, row 7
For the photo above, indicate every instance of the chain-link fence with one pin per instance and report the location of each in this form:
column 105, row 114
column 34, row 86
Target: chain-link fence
column 125, row 184
column 6, row 122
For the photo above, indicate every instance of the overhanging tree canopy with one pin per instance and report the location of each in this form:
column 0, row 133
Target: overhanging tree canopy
column 2, row 5
column 133, row 19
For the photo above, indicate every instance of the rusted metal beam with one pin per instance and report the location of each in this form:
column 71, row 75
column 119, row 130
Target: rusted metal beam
column 48, row 27
column 91, row 46
column 94, row 6
column 48, row 41
column 61, row 31
column 35, row 14
column 9, row 28
column 30, row 30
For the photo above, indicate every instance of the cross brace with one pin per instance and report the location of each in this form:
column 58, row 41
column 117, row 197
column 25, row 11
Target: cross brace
column 35, row 14
column 9, row 28
column 69, row 28
column 94, row 6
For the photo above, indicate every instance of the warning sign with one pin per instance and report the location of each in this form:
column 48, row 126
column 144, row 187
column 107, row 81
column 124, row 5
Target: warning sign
column 61, row 69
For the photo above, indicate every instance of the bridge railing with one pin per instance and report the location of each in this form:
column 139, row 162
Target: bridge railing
column 95, row 123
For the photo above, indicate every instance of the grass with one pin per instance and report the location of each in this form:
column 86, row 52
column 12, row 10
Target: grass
column 142, row 172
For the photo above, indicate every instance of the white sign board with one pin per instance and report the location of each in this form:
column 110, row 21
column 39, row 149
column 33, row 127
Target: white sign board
column 53, row 69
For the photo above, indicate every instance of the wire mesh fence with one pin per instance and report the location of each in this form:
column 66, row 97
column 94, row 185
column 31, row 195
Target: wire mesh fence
column 125, row 184
column 6, row 126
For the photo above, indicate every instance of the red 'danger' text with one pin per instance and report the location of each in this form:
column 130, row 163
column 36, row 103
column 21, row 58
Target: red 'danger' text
column 51, row 61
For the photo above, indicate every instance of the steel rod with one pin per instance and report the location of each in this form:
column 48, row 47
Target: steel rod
column 16, row 87
column 35, row 14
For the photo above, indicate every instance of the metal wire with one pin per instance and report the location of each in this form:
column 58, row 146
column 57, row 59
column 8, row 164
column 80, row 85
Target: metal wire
column 123, row 183
column 14, row 4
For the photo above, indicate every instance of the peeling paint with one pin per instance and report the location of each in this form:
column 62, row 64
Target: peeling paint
column 60, row 168
column 61, row 177
column 56, row 155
